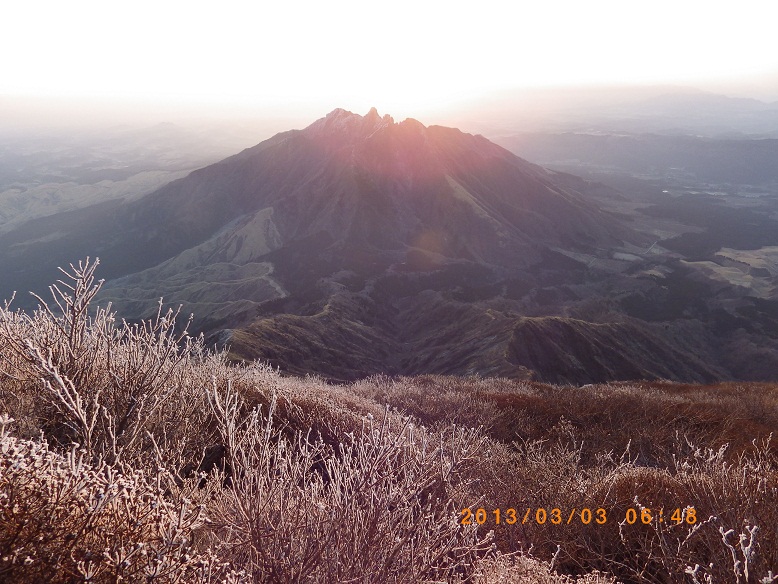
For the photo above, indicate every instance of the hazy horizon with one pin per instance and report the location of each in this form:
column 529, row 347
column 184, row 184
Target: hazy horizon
column 297, row 61
column 22, row 112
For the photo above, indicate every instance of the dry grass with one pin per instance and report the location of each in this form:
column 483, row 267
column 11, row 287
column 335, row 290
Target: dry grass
column 524, row 569
column 138, row 455
column 620, row 447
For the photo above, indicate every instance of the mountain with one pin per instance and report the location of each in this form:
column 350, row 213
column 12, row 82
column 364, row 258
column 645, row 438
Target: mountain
column 368, row 183
column 360, row 245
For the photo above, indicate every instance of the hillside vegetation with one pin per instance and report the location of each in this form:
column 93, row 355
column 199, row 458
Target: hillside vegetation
column 130, row 452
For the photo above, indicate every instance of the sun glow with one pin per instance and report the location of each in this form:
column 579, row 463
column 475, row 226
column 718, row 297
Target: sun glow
column 402, row 57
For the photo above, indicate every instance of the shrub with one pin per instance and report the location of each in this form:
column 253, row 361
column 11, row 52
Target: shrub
column 64, row 520
column 120, row 391
column 138, row 454
column 375, row 509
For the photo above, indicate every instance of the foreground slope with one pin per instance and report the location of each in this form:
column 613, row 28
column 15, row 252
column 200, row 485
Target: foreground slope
column 133, row 453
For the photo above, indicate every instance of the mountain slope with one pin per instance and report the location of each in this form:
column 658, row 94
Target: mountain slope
column 354, row 193
column 370, row 181
column 359, row 245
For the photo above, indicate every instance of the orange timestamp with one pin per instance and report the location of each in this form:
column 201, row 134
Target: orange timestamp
column 585, row 516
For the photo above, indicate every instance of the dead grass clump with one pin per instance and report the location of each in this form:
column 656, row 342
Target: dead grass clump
column 525, row 569
column 704, row 513
column 434, row 399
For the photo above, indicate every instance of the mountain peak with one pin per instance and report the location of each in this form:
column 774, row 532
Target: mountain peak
column 343, row 121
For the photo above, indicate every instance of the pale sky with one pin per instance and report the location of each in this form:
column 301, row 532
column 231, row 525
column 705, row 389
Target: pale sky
column 401, row 56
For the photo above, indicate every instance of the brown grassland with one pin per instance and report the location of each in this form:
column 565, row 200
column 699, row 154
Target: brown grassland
column 129, row 452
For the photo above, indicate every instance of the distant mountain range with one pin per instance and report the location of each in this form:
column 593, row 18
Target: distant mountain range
column 360, row 245
column 664, row 110
column 687, row 158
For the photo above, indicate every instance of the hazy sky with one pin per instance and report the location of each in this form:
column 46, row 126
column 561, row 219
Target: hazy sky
column 401, row 56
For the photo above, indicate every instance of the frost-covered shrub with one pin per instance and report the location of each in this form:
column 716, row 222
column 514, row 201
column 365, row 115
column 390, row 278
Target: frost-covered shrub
column 375, row 508
column 64, row 520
